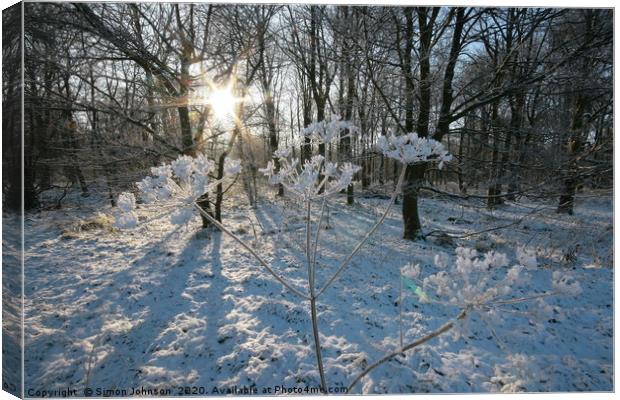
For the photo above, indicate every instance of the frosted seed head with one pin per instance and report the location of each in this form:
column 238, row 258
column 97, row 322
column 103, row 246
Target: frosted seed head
column 441, row 260
column 183, row 168
column 202, row 165
column 410, row 271
column 125, row 220
column 411, row 149
column 126, row 202
column 494, row 259
column 163, row 171
column 282, row 153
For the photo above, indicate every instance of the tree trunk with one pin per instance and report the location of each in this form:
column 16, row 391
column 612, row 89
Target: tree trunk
column 273, row 136
column 578, row 127
column 516, row 124
column 320, row 111
column 415, row 173
column 345, row 142
column 219, row 189
column 411, row 216
column 306, row 146
column 494, row 190
column 462, row 186
column 567, row 198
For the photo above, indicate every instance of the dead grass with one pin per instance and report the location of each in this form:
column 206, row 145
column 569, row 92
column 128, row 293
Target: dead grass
column 99, row 222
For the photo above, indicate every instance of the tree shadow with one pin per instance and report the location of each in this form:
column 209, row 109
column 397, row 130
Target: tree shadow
column 185, row 311
column 136, row 325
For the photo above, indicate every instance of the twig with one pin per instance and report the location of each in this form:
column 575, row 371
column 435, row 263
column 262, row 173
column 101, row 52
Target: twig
column 496, row 228
column 443, row 329
column 522, row 299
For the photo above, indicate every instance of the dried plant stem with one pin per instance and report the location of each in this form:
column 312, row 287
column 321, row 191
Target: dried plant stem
column 90, row 361
column 311, row 260
column 400, row 310
column 313, row 313
column 251, row 251
column 316, row 240
column 441, row 330
column 357, row 248
column 309, row 247
column 317, row 343
column 522, row 299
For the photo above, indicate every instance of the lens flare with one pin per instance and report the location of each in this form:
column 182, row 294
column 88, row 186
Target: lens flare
column 222, row 103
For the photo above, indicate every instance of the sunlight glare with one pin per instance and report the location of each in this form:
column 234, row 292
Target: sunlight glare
column 222, row 103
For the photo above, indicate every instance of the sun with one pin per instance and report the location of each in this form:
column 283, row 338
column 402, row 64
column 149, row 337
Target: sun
column 222, row 103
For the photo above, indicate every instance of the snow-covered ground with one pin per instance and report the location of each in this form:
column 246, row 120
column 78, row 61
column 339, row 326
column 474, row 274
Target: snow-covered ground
column 163, row 306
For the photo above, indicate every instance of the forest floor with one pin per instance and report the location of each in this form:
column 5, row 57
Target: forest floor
column 164, row 306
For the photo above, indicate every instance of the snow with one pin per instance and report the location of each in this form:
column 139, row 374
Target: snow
column 11, row 303
column 166, row 306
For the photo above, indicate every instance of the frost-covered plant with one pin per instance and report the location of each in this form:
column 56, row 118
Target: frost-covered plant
column 412, row 149
column 463, row 283
column 468, row 285
column 180, row 184
column 303, row 180
column 186, row 179
column 328, row 131
column 316, row 179
column 125, row 216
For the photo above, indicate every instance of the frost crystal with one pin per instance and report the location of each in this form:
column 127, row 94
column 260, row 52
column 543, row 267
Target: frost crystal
column 202, row 165
column 441, row 260
column 183, row 167
column 126, row 202
column 181, row 216
column 162, row 171
column 329, row 131
column 282, row 153
column 303, row 180
column 181, row 182
column 494, row 259
column 466, row 252
column 410, row 271
column 126, row 220
column 411, row 149
column 467, row 282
